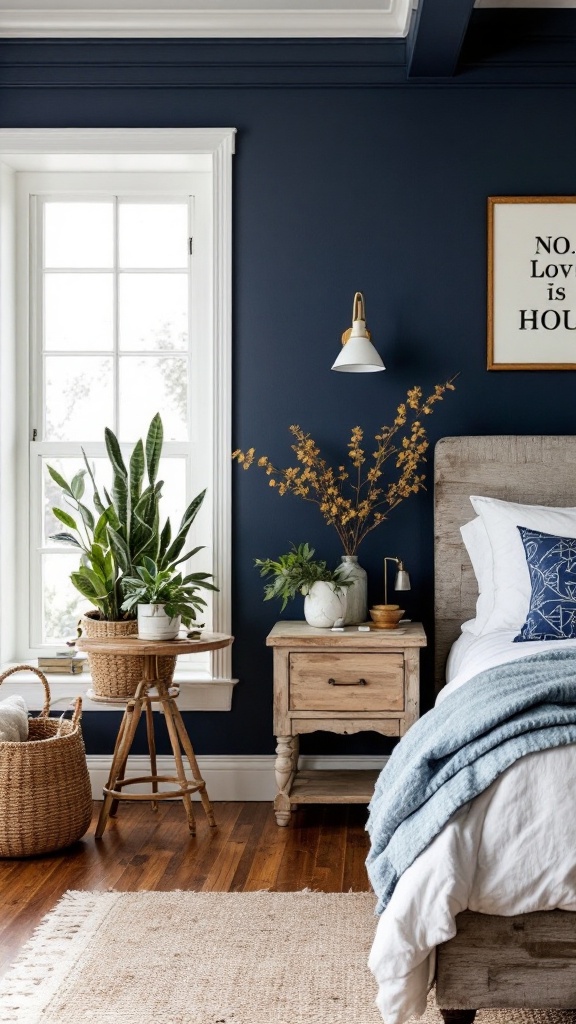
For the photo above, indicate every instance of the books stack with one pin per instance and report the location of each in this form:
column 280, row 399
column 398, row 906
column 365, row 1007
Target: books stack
column 63, row 662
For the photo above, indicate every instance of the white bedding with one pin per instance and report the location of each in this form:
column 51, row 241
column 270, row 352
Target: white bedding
column 512, row 850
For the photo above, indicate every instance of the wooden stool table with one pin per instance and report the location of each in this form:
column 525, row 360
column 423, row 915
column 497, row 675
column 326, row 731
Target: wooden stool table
column 143, row 700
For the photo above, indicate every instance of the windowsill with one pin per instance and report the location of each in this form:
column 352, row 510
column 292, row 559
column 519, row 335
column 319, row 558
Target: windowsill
column 198, row 691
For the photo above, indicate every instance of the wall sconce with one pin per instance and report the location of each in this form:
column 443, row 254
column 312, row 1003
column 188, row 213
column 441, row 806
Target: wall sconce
column 402, row 581
column 358, row 354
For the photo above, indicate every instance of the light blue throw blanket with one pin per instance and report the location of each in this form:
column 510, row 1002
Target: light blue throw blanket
column 454, row 752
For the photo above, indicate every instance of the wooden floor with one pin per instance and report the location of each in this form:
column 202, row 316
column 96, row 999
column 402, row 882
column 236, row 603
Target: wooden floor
column 323, row 848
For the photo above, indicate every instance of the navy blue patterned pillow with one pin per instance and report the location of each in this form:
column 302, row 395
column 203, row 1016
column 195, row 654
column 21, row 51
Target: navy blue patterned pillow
column 552, row 566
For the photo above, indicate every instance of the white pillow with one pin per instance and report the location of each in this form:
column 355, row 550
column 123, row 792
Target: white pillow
column 511, row 578
column 13, row 720
column 479, row 550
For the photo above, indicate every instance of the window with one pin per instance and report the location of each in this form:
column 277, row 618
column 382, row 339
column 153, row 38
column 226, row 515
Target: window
column 119, row 269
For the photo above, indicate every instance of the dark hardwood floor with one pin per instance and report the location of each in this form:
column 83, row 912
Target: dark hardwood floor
column 323, row 848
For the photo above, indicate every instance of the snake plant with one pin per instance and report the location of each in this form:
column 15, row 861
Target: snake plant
column 126, row 527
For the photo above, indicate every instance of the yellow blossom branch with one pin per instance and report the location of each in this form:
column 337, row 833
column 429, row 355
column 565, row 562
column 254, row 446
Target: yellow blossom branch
column 314, row 481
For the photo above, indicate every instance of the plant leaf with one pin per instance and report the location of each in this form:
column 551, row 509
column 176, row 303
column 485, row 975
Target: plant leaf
column 187, row 520
column 77, row 484
column 87, row 516
column 58, row 479
column 115, row 454
column 137, row 468
column 95, row 493
column 120, row 499
column 65, row 518
column 154, row 440
column 66, row 538
column 120, row 550
column 100, row 530
column 165, row 538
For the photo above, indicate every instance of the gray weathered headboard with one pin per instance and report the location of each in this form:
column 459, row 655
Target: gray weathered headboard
column 537, row 470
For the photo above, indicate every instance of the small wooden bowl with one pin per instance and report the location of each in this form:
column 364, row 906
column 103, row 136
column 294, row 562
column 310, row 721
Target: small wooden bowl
column 386, row 616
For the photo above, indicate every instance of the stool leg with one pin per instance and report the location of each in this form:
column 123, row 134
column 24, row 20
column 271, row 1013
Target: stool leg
column 168, row 708
column 121, row 751
column 189, row 751
column 151, row 748
column 121, row 768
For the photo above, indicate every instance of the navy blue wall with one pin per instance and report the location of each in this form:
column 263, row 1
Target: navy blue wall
column 339, row 187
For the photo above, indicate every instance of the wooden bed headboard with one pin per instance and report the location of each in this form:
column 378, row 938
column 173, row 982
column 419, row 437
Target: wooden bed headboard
column 537, row 470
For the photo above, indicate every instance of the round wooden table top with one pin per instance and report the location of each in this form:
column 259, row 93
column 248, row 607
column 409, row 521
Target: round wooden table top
column 131, row 645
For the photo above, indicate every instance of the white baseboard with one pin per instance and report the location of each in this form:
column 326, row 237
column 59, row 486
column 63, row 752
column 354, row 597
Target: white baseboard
column 228, row 777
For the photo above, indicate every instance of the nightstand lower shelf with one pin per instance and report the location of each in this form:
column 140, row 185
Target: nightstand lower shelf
column 345, row 786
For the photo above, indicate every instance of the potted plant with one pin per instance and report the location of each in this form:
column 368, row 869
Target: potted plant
column 123, row 530
column 164, row 599
column 297, row 572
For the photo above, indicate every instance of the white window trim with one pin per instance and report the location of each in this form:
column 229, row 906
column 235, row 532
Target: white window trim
column 120, row 149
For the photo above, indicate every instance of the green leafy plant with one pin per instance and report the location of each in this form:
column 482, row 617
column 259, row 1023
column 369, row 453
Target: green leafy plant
column 126, row 528
column 296, row 572
column 178, row 594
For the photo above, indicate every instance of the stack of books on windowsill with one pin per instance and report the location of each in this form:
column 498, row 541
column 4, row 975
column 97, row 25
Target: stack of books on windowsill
column 66, row 663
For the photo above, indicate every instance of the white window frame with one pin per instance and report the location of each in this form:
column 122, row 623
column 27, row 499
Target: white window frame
column 31, row 151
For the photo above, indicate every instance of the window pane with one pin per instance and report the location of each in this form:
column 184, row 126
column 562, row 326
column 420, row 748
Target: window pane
column 53, row 495
column 62, row 604
column 78, row 234
column 153, row 234
column 149, row 385
column 173, row 502
column 78, row 311
column 78, row 394
column 153, row 311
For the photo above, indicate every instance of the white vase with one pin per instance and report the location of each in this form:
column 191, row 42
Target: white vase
column 154, row 624
column 357, row 594
column 324, row 606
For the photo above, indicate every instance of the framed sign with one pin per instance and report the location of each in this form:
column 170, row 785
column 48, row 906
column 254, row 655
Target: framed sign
column 532, row 283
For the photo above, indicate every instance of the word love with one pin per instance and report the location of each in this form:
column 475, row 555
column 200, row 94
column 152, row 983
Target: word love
column 553, row 318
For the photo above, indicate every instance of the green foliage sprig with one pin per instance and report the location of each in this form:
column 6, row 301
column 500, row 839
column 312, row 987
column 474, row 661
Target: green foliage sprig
column 179, row 594
column 296, row 572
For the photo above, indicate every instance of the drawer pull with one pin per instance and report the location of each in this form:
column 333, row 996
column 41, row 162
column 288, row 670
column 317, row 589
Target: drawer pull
column 359, row 682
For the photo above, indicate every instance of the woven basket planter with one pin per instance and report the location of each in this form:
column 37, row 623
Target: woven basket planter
column 115, row 676
column 45, row 795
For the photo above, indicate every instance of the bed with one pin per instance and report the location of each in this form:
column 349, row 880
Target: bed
column 503, row 958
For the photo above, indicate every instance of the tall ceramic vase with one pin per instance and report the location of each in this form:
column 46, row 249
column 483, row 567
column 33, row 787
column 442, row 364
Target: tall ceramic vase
column 357, row 594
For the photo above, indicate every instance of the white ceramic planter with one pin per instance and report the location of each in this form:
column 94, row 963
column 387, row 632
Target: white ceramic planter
column 324, row 606
column 154, row 624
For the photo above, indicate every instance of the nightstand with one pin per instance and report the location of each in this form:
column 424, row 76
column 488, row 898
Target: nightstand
column 343, row 683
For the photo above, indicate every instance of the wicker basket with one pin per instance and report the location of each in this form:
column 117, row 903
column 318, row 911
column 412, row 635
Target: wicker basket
column 45, row 796
column 113, row 675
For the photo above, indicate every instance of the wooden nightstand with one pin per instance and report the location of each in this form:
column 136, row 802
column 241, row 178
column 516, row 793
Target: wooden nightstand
column 340, row 682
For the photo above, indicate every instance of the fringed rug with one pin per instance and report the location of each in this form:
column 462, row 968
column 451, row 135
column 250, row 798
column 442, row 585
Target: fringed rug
column 197, row 958
column 207, row 958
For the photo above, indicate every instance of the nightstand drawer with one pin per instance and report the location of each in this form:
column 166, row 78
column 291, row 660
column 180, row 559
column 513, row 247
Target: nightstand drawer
column 346, row 682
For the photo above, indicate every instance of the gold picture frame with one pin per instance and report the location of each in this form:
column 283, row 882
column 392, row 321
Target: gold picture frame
column 531, row 283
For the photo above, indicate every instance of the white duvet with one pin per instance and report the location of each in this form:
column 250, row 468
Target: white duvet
column 511, row 850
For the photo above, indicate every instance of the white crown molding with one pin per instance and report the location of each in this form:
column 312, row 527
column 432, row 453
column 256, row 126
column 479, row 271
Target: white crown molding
column 228, row 776
column 99, row 21
column 39, row 142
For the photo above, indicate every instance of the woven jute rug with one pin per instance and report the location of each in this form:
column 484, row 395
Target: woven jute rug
column 206, row 958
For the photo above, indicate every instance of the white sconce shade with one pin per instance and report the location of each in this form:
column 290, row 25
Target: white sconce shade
column 358, row 354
